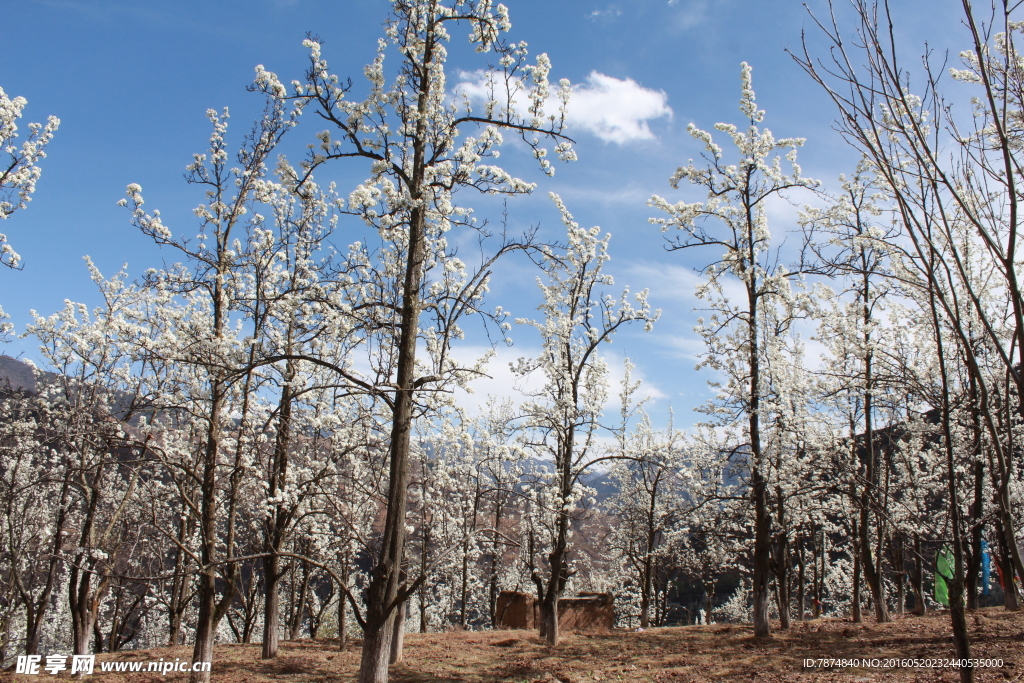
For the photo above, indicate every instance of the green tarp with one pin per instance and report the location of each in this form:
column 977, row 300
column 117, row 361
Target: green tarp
column 943, row 575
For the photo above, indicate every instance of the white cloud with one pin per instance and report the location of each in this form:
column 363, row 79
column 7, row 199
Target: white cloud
column 502, row 383
column 614, row 110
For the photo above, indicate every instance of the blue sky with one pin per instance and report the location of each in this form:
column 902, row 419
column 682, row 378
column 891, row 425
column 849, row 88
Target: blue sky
column 131, row 81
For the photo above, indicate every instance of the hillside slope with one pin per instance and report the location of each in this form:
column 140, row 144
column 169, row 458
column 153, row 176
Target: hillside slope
column 685, row 654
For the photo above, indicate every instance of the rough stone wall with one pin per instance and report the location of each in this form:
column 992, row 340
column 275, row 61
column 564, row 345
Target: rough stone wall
column 588, row 612
column 515, row 611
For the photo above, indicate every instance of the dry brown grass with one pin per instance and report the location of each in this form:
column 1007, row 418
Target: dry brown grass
column 691, row 653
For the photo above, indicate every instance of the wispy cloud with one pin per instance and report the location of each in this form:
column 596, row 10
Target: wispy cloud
column 608, row 14
column 683, row 282
column 629, row 195
column 691, row 13
column 612, row 109
column 111, row 11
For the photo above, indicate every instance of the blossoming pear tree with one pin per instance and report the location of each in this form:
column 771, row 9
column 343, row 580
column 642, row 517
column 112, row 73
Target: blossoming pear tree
column 562, row 420
column 191, row 329
column 734, row 221
column 414, row 136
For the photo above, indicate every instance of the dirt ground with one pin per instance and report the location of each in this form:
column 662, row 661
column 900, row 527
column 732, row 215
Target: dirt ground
column 683, row 654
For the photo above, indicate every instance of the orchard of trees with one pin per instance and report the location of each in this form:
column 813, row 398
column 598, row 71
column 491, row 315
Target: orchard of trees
column 260, row 439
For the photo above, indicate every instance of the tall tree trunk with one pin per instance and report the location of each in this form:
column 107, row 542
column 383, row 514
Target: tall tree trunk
column 549, row 604
column 383, row 591
column 801, row 581
column 870, row 564
column 272, row 575
column 423, row 609
column 397, row 653
column 872, row 570
column 855, row 610
column 782, row 562
column 900, row 560
column 920, row 607
column 492, row 596
column 957, row 614
column 662, row 603
column 1010, row 602
column 36, row 608
column 464, row 588
column 758, row 484
column 206, row 620
column 1004, row 531
column 97, row 638
column 557, row 559
column 645, row 593
column 372, row 665
column 398, row 637
column 177, row 602
column 819, row 575
column 549, row 620
column 299, row 616
column 977, row 526
column 80, row 593
column 709, row 598
column 423, row 586
column 978, row 506
column 6, row 618
column 762, row 557
column 202, row 651
column 276, row 526
column 343, row 605
column 85, row 603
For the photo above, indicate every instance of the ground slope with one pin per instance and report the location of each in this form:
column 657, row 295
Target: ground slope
column 692, row 653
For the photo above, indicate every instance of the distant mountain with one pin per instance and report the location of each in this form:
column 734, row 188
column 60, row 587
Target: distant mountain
column 602, row 483
column 16, row 375
column 597, row 480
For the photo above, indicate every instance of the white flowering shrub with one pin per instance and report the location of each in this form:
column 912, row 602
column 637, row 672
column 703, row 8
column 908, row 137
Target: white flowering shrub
column 738, row 608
